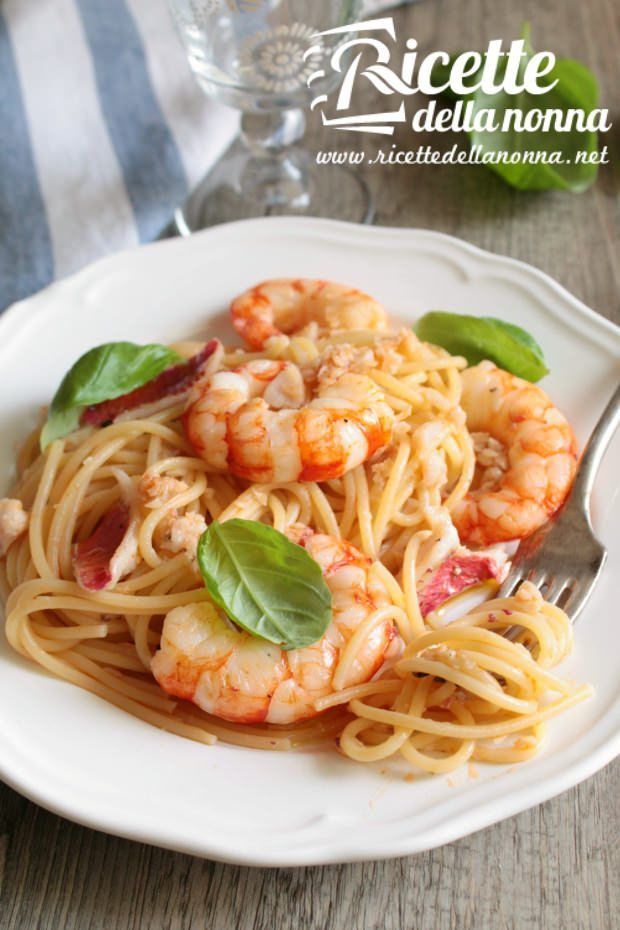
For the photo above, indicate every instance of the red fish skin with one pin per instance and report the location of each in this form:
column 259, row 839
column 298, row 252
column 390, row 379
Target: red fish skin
column 92, row 557
column 173, row 380
column 459, row 571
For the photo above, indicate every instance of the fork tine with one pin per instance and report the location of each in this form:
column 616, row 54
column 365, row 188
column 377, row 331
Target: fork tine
column 577, row 600
column 555, row 589
column 513, row 580
column 583, row 586
column 537, row 575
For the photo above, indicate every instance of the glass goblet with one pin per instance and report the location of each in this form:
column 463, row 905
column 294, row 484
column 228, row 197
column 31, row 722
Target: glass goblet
column 257, row 56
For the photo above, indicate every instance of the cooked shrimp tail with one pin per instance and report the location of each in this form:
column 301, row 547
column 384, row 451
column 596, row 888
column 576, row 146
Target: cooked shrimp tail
column 288, row 306
column 526, row 454
column 239, row 677
column 256, row 421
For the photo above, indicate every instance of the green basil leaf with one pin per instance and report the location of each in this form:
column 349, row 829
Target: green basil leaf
column 265, row 583
column 59, row 424
column 485, row 337
column 522, row 336
column 440, row 75
column 103, row 373
column 576, row 89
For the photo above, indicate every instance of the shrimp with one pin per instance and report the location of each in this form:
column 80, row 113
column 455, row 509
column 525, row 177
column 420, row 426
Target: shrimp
column 387, row 353
column 528, row 476
column 288, row 305
column 13, row 523
column 254, row 421
column 156, row 491
column 181, row 533
column 175, row 532
column 239, row 677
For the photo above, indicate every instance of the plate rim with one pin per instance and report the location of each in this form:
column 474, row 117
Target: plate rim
column 606, row 748
column 10, row 315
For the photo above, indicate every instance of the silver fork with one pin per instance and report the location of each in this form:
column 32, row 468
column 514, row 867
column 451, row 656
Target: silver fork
column 564, row 558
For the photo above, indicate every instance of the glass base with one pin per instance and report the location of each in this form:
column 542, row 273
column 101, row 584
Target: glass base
column 243, row 185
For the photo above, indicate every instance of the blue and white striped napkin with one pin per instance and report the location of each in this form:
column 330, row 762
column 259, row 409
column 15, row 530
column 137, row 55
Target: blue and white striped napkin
column 103, row 132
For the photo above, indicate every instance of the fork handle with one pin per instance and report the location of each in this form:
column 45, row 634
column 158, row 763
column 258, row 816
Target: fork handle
column 595, row 450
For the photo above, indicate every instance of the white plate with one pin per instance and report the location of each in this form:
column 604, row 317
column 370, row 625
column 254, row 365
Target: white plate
column 77, row 755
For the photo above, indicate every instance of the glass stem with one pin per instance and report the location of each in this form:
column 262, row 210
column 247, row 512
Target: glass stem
column 275, row 172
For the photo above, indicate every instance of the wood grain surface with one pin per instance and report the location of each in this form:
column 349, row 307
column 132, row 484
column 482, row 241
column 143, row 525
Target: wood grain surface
column 557, row 866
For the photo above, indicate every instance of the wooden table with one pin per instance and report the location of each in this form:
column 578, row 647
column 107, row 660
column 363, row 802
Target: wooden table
column 556, row 866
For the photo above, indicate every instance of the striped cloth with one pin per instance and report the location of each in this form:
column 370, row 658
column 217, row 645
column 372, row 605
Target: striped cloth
column 104, row 133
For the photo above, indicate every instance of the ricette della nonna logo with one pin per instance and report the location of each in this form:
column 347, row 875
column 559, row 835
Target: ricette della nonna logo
column 495, row 95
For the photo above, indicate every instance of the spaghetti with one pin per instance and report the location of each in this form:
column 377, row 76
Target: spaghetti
column 458, row 691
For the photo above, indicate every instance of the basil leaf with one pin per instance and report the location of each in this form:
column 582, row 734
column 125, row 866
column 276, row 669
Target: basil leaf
column 265, row 583
column 522, row 336
column 484, row 337
column 102, row 373
column 576, row 89
column 59, row 424
column 440, row 74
